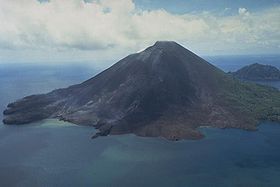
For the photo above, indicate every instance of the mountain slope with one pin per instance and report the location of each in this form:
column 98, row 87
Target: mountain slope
column 166, row 90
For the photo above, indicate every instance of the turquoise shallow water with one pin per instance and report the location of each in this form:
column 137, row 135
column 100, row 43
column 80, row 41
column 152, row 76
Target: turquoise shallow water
column 54, row 153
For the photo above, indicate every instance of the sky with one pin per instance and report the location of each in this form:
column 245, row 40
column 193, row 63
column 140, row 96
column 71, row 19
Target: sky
column 103, row 31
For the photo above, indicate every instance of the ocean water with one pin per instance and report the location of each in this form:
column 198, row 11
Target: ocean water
column 55, row 153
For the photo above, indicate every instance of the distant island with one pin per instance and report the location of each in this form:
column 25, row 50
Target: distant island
column 164, row 91
column 257, row 72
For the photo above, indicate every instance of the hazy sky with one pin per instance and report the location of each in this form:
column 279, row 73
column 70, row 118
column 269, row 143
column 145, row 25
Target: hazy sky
column 105, row 30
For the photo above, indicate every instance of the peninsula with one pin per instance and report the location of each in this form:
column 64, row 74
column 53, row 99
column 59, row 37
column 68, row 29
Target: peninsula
column 258, row 72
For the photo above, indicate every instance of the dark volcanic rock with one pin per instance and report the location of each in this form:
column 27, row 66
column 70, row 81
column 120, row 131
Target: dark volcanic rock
column 166, row 91
column 258, row 72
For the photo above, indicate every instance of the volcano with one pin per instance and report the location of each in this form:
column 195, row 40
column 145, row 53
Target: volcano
column 164, row 91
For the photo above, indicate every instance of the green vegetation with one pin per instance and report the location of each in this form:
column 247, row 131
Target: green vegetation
column 256, row 101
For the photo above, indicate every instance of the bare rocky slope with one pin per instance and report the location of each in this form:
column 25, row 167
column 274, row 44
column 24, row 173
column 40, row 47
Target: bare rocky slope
column 165, row 90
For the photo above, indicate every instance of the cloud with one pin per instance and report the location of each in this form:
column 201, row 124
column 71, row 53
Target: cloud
column 105, row 28
column 243, row 12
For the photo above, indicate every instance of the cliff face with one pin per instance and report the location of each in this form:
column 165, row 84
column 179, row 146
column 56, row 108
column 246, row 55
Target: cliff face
column 258, row 72
column 166, row 90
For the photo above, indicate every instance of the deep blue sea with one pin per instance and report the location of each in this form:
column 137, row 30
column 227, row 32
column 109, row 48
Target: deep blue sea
column 54, row 153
